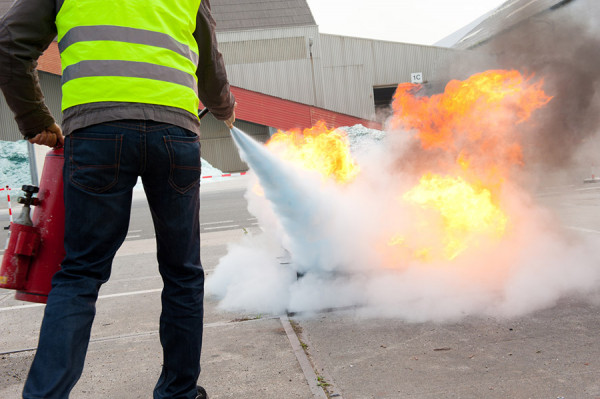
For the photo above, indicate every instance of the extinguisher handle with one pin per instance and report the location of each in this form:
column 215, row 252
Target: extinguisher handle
column 203, row 112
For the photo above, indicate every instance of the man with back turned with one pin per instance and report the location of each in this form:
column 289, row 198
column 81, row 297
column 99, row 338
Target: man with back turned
column 133, row 72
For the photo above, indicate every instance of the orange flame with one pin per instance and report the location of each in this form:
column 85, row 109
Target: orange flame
column 324, row 150
column 474, row 122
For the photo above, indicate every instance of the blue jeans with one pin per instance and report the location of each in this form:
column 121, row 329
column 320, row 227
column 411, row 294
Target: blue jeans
column 102, row 164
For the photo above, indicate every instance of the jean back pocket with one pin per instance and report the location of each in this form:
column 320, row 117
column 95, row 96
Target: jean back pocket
column 185, row 162
column 95, row 160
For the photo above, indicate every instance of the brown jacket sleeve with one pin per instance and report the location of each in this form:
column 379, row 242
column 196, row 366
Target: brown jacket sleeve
column 26, row 31
column 213, row 87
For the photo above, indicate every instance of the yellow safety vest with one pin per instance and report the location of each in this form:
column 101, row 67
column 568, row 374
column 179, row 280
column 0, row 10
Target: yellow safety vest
column 136, row 51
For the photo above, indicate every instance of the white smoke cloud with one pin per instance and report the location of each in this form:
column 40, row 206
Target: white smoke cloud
column 334, row 236
column 250, row 277
column 337, row 235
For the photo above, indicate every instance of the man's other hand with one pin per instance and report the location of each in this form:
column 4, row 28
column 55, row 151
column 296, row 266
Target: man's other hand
column 51, row 136
column 231, row 119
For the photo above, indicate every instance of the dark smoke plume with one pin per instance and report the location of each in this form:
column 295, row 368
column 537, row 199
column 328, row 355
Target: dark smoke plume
column 561, row 46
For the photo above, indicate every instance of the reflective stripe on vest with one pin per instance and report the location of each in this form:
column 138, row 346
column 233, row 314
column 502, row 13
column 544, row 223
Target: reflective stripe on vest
column 130, row 51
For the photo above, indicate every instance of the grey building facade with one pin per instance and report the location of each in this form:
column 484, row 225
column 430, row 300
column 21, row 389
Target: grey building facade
column 274, row 47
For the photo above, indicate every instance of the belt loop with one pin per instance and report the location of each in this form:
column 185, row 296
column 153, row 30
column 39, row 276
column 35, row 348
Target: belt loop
column 143, row 140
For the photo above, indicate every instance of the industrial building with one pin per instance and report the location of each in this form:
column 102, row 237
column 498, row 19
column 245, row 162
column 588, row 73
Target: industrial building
column 286, row 74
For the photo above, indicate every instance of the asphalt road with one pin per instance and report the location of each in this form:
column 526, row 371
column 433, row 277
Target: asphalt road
column 576, row 206
column 550, row 353
column 222, row 208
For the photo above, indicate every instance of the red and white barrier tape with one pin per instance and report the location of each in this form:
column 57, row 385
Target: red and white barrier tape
column 225, row 175
column 9, row 206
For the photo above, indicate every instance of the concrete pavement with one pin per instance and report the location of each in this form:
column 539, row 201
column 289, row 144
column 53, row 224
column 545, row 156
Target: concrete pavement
column 244, row 355
column 554, row 353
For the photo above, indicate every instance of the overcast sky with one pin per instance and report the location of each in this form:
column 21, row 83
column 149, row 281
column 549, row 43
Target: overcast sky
column 408, row 21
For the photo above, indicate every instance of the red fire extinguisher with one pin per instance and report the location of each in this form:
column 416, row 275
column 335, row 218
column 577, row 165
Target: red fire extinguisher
column 36, row 245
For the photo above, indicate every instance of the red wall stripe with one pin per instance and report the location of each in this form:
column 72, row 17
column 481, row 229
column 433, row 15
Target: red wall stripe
column 285, row 114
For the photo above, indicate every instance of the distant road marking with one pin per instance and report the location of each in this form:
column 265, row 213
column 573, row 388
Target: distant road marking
column 141, row 334
column 588, row 189
column 222, row 227
column 550, row 193
column 130, row 293
column 564, row 191
column 120, row 280
column 212, row 223
column 131, row 234
column 583, row 230
column 35, row 305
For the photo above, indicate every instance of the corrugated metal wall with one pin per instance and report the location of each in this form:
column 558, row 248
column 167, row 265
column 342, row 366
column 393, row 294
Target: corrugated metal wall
column 8, row 126
column 50, row 87
column 276, row 62
column 51, row 84
column 353, row 66
column 349, row 90
column 327, row 71
column 266, row 50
